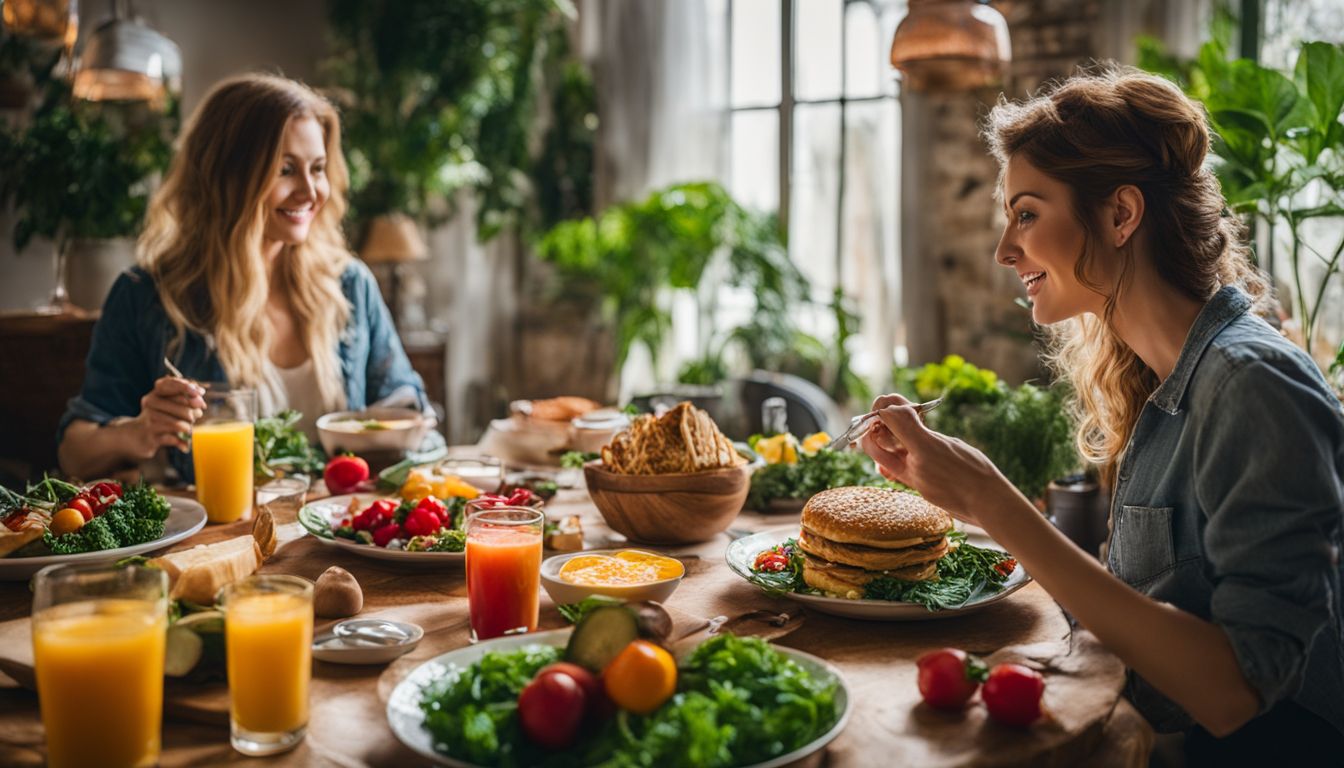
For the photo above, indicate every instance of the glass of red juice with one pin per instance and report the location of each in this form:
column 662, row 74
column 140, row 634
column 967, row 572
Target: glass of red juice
column 503, row 570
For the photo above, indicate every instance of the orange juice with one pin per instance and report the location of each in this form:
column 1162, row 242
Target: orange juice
column 100, row 681
column 222, row 457
column 503, row 579
column 268, row 640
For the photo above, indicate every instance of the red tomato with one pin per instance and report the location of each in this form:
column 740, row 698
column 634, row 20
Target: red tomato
column 82, row 504
column 106, row 490
column 382, row 508
column 386, row 533
column 551, row 709
column 948, row 677
column 599, row 706
column 1013, row 694
column 432, row 504
column 422, row 522
column 344, row 474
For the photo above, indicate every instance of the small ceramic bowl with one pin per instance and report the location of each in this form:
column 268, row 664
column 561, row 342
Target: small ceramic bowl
column 373, row 430
column 563, row 592
column 366, row 641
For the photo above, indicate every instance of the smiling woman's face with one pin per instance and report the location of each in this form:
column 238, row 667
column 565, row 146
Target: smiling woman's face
column 298, row 193
column 1042, row 242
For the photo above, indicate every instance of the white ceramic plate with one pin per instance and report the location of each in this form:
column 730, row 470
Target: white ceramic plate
column 318, row 516
column 742, row 553
column 406, row 718
column 186, row 517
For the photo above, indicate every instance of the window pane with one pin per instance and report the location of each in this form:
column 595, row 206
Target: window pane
column 755, row 54
column 755, row 159
column 817, row 59
column 869, row 268
column 866, row 63
column 815, row 194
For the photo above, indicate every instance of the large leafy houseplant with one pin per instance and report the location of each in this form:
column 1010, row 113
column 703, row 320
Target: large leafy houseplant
column 627, row 258
column 81, row 170
column 441, row 95
column 1278, row 151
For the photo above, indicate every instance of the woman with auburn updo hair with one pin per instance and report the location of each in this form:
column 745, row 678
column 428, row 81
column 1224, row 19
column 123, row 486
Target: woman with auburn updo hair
column 1220, row 439
column 244, row 277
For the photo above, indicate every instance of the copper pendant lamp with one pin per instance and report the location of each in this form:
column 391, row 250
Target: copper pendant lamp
column 951, row 45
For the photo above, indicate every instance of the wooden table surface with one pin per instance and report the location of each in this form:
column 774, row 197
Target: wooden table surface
column 1088, row 723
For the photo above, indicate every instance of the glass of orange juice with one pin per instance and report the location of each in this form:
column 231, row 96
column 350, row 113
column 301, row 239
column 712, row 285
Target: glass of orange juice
column 268, row 639
column 98, row 645
column 221, row 452
column 503, row 570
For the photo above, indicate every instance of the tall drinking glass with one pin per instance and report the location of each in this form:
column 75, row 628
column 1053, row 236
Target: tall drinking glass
column 504, row 570
column 98, row 645
column 221, row 451
column 268, row 639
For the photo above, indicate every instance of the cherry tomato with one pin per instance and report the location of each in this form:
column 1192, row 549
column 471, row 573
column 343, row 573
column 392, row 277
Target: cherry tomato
column 1013, row 694
column 68, row 520
column 1006, row 567
column 344, row 474
column 386, row 533
column 106, row 489
column 422, row 522
column 641, row 677
column 551, row 709
column 948, row 677
column 82, row 505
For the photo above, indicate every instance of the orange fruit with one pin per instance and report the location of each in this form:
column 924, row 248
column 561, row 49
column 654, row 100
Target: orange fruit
column 641, row 677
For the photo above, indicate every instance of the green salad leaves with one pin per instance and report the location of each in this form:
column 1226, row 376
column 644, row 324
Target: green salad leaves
column 738, row 701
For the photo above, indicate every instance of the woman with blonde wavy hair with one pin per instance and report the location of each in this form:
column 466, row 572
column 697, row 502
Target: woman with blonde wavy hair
column 1220, row 440
column 244, row 277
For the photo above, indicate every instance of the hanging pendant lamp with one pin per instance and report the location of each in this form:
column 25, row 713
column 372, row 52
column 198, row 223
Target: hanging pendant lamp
column 125, row 60
column 951, row 45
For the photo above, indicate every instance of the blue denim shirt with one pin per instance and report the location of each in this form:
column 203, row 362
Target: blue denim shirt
column 1228, row 506
column 132, row 336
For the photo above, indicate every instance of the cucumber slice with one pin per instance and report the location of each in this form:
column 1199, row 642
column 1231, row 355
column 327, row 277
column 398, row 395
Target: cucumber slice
column 202, row 622
column 601, row 635
column 182, row 652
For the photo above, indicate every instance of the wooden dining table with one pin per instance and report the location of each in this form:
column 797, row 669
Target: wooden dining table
column 1087, row 720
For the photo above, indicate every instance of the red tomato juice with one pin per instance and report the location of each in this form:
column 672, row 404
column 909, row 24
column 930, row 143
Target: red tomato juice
column 503, row 579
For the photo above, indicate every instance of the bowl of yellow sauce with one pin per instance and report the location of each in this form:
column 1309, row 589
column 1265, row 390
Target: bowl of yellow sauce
column 629, row 574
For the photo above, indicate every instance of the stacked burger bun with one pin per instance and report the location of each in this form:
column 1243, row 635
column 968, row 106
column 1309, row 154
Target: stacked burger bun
column 853, row 535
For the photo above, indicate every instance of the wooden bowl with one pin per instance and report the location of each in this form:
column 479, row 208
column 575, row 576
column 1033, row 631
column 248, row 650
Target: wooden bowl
column 683, row 508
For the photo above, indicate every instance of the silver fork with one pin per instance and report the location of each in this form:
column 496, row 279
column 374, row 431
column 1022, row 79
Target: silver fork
column 859, row 425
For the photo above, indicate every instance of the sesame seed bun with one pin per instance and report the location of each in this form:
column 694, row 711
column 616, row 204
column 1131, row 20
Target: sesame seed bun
column 880, row 518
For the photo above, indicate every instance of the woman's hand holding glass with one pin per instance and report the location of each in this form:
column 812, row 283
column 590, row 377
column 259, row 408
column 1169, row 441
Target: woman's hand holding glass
column 945, row 470
column 166, row 415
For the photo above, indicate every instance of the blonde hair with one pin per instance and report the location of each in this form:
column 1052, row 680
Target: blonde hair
column 202, row 241
column 1094, row 133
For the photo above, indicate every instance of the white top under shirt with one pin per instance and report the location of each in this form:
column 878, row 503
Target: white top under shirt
column 297, row 389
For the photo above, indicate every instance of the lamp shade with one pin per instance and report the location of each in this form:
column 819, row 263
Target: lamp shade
column 951, row 45
column 125, row 60
column 41, row 19
column 391, row 239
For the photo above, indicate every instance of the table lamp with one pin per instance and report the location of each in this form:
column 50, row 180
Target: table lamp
column 393, row 239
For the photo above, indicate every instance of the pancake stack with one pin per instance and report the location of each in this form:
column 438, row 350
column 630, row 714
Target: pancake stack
column 853, row 535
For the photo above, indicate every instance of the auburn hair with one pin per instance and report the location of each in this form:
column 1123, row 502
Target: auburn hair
column 1096, row 132
column 202, row 241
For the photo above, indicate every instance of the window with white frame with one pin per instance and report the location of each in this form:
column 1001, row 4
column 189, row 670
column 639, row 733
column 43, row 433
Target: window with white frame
column 813, row 132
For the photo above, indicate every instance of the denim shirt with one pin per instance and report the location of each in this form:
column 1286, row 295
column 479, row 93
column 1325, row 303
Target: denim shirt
column 1228, row 505
column 133, row 333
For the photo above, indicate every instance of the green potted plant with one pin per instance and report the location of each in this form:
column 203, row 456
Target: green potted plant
column 81, row 174
column 627, row 259
column 1026, row 430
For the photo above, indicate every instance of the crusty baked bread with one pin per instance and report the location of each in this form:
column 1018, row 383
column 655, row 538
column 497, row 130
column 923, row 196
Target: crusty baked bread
column 875, row 517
